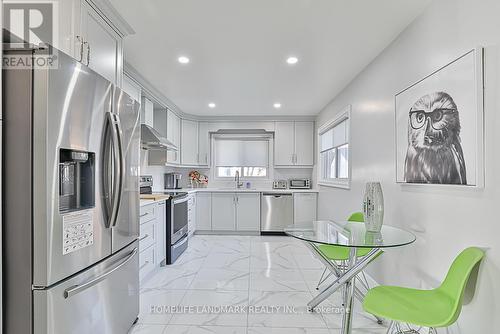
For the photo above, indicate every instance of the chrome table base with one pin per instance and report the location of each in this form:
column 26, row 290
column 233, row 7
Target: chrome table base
column 346, row 279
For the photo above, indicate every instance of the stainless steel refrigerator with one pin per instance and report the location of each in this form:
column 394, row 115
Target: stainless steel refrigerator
column 71, row 205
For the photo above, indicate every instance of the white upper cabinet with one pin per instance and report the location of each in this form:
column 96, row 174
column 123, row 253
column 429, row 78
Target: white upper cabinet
column 174, row 136
column 203, row 144
column 294, row 144
column 102, row 46
column 132, row 88
column 304, row 143
column 92, row 32
column 189, row 142
column 284, row 148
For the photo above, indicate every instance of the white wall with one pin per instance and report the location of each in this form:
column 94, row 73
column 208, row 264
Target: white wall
column 447, row 219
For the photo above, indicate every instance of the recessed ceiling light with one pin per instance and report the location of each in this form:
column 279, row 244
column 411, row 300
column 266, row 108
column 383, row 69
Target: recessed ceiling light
column 183, row 60
column 211, row 105
column 292, row 60
column 277, row 105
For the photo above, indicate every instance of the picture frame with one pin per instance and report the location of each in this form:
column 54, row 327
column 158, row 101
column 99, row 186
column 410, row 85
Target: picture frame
column 439, row 126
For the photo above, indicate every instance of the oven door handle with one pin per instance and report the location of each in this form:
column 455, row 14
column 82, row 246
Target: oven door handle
column 180, row 200
column 180, row 242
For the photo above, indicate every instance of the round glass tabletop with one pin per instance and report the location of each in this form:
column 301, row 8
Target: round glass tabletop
column 350, row 234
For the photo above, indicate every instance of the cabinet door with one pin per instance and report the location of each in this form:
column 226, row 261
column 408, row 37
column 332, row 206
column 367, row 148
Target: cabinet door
column 304, row 143
column 284, row 139
column 304, row 207
column 248, row 212
column 103, row 51
column 204, row 211
column 203, row 144
column 69, row 39
column 132, row 88
column 223, row 212
column 160, row 252
column 189, row 142
column 174, row 135
column 192, row 214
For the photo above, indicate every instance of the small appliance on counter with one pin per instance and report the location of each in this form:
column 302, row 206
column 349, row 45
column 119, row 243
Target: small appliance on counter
column 280, row 184
column 173, row 180
column 299, row 184
column 145, row 184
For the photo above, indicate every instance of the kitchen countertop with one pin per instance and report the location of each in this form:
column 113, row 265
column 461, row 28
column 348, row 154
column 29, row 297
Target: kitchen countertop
column 251, row 190
column 144, row 202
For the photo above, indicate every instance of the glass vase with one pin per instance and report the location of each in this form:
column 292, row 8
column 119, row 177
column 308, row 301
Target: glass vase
column 373, row 207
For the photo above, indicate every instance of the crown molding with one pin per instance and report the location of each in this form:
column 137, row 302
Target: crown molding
column 113, row 17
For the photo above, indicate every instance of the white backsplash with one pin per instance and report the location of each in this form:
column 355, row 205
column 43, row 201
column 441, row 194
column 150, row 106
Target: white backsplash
column 158, row 171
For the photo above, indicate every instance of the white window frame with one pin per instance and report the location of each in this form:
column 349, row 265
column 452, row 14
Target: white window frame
column 270, row 162
column 345, row 183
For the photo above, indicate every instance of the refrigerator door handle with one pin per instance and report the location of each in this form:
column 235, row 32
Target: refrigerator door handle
column 121, row 167
column 116, row 187
column 69, row 292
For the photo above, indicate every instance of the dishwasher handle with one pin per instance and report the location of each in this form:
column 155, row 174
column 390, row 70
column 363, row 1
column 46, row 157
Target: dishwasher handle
column 275, row 195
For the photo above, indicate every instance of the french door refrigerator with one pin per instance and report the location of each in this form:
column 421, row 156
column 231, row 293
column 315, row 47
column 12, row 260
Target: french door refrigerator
column 71, row 204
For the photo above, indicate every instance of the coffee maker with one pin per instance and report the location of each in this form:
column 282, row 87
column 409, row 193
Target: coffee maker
column 173, row 180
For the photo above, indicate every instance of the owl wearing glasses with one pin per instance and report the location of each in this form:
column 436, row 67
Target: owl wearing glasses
column 434, row 152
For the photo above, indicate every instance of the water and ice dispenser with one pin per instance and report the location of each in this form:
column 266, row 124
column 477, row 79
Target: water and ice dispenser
column 76, row 180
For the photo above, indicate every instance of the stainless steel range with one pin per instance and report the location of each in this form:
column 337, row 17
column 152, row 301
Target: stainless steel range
column 176, row 230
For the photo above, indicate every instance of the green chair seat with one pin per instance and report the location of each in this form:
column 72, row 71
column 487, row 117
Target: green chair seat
column 435, row 308
column 428, row 308
column 339, row 253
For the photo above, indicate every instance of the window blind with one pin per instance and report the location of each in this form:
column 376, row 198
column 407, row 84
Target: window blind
column 334, row 137
column 241, row 152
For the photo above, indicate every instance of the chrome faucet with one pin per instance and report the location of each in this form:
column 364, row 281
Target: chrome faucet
column 237, row 180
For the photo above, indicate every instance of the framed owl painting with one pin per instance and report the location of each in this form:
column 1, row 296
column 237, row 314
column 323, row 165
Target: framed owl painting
column 439, row 126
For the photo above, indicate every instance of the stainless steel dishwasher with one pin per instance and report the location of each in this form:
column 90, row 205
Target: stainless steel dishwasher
column 276, row 212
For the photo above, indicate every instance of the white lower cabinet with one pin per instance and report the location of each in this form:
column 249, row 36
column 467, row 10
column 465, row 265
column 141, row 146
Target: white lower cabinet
column 204, row 211
column 248, row 212
column 160, row 249
column 240, row 211
column 236, row 212
column 304, row 207
column 151, row 237
column 191, row 214
column 146, row 262
column 223, row 212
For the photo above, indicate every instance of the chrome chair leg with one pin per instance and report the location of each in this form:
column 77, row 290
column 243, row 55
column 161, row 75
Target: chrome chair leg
column 390, row 329
column 321, row 279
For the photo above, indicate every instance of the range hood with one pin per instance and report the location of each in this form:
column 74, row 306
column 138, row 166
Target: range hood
column 153, row 140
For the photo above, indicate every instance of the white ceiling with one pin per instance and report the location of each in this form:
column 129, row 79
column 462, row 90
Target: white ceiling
column 238, row 49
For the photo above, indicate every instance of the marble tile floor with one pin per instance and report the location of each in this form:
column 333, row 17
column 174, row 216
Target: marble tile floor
column 263, row 282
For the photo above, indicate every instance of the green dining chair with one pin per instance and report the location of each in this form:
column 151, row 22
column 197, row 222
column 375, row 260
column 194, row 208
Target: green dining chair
column 340, row 255
column 425, row 308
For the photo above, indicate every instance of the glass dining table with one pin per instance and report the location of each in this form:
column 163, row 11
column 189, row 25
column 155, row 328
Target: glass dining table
column 353, row 236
